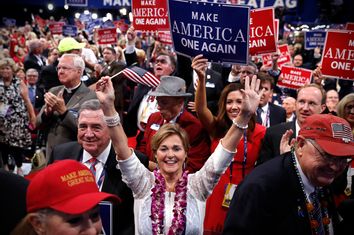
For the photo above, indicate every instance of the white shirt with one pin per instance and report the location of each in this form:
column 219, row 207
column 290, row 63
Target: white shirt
column 264, row 115
column 102, row 158
column 148, row 105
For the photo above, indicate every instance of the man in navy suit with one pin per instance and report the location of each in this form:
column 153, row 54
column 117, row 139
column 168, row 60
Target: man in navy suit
column 94, row 143
column 34, row 59
column 289, row 194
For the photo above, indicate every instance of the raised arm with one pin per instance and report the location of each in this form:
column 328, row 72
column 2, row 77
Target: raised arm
column 105, row 94
column 199, row 64
column 250, row 96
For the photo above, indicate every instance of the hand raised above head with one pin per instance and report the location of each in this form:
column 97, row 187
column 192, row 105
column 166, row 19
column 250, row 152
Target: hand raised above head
column 105, row 92
column 251, row 96
column 200, row 64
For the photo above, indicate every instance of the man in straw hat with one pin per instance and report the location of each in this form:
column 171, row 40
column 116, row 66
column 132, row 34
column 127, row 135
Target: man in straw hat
column 170, row 96
column 289, row 194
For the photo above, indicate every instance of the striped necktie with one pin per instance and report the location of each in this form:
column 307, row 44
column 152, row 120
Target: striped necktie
column 317, row 215
column 93, row 161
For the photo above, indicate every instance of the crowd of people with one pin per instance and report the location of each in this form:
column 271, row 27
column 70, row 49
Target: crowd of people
column 213, row 149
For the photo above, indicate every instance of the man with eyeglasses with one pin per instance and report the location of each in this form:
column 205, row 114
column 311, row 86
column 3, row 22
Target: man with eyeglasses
column 59, row 114
column 311, row 99
column 290, row 194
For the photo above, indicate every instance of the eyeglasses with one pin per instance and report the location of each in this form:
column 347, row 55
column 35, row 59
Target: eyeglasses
column 64, row 68
column 342, row 161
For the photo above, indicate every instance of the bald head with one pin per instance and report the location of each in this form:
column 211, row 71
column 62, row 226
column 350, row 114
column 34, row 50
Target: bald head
column 289, row 105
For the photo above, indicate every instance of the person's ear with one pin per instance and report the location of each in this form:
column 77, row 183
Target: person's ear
column 37, row 223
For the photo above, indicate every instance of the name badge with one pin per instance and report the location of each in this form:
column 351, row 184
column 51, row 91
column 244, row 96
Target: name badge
column 229, row 193
column 210, row 85
column 155, row 127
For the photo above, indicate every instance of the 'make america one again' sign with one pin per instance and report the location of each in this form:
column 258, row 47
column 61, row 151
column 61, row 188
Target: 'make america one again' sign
column 218, row 31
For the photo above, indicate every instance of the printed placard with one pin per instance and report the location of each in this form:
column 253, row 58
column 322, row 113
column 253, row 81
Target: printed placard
column 338, row 54
column 77, row 3
column 276, row 29
column 107, row 36
column 106, row 214
column 314, row 39
column 262, row 33
column 56, row 27
column 70, row 30
column 264, row 3
column 150, row 15
column 165, row 37
column 293, row 77
column 284, row 56
column 218, row 31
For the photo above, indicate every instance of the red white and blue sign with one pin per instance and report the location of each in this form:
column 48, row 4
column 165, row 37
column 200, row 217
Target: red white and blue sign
column 338, row 54
column 218, row 31
column 314, row 39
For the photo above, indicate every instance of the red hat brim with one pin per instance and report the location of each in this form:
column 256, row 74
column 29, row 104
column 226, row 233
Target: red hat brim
column 84, row 202
column 337, row 149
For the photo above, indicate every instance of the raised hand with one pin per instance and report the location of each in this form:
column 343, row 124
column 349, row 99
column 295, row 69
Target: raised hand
column 284, row 142
column 105, row 92
column 251, row 96
column 200, row 65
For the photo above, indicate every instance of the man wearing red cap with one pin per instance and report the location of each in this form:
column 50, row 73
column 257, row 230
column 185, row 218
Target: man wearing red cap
column 290, row 194
column 63, row 199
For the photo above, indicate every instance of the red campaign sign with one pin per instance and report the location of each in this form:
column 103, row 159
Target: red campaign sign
column 165, row 37
column 349, row 26
column 150, row 15
column 338, row 54
column 276, row 29
column 262, row 32
column 293, row 77
column 107, row 36
column 284, row 56
column 56, row 27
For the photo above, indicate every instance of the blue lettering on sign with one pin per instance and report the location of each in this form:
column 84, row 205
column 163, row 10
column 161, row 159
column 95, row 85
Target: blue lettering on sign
column 218, row 31
column 260, row 3
column 314, row 39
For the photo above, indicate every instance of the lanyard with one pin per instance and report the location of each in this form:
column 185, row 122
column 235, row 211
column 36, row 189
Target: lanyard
column 244, row 161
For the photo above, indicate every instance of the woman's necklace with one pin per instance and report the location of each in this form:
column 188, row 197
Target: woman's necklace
column 158, row 205
column 310, row 207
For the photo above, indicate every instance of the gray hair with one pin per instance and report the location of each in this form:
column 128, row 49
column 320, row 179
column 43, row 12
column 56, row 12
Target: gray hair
column 34, row 44
column 93, row 105
column 78, row 62
column 32, row 70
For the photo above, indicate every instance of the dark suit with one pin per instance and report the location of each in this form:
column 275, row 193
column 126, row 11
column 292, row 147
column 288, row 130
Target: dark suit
column 271, row 142
column 63, row 128
column 277, row 115
column 49, row 76
column 214, row 86
column 270, row 201
column 31, row 61
column 123, row 214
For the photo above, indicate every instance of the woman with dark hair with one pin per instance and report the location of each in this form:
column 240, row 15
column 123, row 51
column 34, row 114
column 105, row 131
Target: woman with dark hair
column 229, row 106
column 16, row 113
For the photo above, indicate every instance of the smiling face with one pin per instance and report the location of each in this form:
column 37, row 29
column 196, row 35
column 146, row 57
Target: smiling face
column 93, row 133
column 308, row 103
column 318, row 170
column 233, row 104
column 163, row 66
column 171, row 155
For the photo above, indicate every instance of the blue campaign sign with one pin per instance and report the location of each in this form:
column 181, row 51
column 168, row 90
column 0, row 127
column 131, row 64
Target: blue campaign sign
column 70, row 30
column 106, row 213
column 85, row 17
column 91, row 25
column 218, row 31
column 314, row 39
column 9, row 22
column 108, row 24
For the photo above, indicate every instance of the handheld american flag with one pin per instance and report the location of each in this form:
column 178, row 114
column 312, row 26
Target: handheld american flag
column 139, row 75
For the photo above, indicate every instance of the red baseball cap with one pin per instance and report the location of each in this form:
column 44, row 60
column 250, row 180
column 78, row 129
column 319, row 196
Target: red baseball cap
column 333, row 134
column 66, row 186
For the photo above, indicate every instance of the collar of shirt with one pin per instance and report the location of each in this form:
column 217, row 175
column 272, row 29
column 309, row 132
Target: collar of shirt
column 308, row 187
column 265, row 108
column 297, row 128
column 71, row 90
column 174, row 120
column 102, row 158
